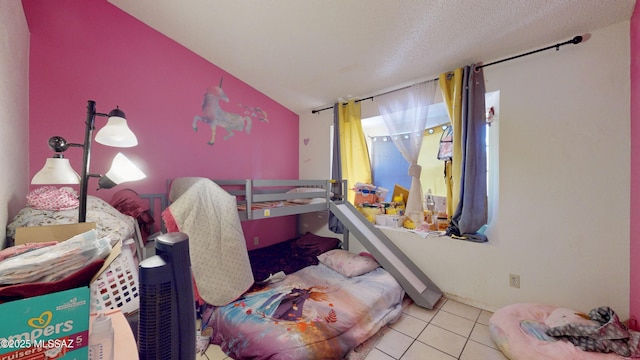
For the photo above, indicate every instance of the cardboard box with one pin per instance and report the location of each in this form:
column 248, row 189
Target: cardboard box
column 37, row 234
column 51, row 326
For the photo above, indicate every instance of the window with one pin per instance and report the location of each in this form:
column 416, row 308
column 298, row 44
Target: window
column 389, row 167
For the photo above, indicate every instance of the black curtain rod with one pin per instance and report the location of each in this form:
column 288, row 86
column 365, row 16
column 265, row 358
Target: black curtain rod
column 575, row 40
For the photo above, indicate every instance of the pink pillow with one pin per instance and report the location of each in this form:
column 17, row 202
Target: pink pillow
column 347, row 263
column 52, row 198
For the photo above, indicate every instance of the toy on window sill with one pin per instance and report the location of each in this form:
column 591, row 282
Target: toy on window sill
column 392, row 210
column 369, row 194
column 409, row 224
column 370, row 211
column 399, row 201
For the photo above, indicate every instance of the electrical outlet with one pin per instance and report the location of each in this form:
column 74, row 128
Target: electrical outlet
column 514, row 281
column 256, row 240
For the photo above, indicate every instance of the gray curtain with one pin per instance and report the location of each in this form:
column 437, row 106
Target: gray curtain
column 471, row 213
column 336, row 170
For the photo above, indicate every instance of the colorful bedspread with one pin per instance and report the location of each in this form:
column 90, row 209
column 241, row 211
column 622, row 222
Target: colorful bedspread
column 314, row 313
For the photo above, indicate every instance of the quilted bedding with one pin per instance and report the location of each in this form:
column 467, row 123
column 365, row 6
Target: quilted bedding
column 314, row 313
column 110, row 223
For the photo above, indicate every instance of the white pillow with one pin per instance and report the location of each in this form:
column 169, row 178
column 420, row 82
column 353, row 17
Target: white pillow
column 305, row 201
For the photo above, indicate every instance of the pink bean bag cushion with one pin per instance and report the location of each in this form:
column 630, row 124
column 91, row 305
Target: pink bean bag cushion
column 519, row 332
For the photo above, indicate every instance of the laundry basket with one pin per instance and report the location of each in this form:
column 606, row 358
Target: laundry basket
column 117, row 286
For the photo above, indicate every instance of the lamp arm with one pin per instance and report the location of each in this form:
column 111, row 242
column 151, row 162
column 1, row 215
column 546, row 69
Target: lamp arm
column 99, row 176
column 58, row 144
column 86, row 157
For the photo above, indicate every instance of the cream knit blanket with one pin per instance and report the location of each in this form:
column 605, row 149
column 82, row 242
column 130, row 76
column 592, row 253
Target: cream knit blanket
column 219, row 258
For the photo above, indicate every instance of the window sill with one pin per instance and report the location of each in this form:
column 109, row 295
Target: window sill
column 422, row 234
column 428, row 234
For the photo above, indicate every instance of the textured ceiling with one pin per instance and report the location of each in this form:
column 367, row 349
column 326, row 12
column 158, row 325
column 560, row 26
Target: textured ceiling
column 306, row 54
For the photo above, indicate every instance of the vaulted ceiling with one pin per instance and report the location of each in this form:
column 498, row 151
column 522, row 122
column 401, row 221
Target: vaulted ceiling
column 306, row 54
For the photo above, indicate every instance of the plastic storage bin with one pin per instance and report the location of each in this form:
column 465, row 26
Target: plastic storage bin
column 117, row 286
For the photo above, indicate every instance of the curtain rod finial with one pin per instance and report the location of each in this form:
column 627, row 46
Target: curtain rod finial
column 583, row 38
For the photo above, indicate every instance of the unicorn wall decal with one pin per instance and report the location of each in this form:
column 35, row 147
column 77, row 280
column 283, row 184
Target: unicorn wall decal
column 213, row 115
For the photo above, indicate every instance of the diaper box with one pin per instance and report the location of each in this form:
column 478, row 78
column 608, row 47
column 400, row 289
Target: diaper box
column 52, row 326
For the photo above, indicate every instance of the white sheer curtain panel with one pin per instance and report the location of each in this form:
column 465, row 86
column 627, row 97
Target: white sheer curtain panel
column 405, row 115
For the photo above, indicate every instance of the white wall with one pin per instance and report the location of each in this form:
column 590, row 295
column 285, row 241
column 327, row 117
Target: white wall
column 14, row 114
column 562, row 222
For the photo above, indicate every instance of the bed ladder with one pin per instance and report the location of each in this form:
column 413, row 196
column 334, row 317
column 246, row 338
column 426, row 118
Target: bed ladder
column 415, row 283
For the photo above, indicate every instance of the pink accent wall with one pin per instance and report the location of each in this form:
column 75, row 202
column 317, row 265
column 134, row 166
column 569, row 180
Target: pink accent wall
column 91, row 50
column 634, row 301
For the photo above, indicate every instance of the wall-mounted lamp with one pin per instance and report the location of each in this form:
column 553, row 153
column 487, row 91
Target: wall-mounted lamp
column 57, row 169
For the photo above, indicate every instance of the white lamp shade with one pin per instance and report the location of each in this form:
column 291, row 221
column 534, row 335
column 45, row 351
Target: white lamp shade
column 56, row 171
column 123, row 170
column 116, row 133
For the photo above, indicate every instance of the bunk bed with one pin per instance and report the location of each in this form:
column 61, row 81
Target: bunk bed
column 259, row 199
column 299, row 299
column 210, row 213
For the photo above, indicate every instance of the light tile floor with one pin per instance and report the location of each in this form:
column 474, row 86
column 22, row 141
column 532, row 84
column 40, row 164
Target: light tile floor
column 450, row 331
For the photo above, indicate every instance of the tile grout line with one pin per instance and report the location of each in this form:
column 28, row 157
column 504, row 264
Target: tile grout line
column 438, row 309
column 414, row 339
column 475, row 323
column 467, row 340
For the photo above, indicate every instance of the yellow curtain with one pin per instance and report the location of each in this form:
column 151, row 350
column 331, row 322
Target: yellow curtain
column 354, row 153
column 451, row 85
column 431, row 175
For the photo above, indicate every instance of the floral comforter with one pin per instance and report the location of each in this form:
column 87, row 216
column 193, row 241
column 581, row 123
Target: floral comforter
column 314, row 313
